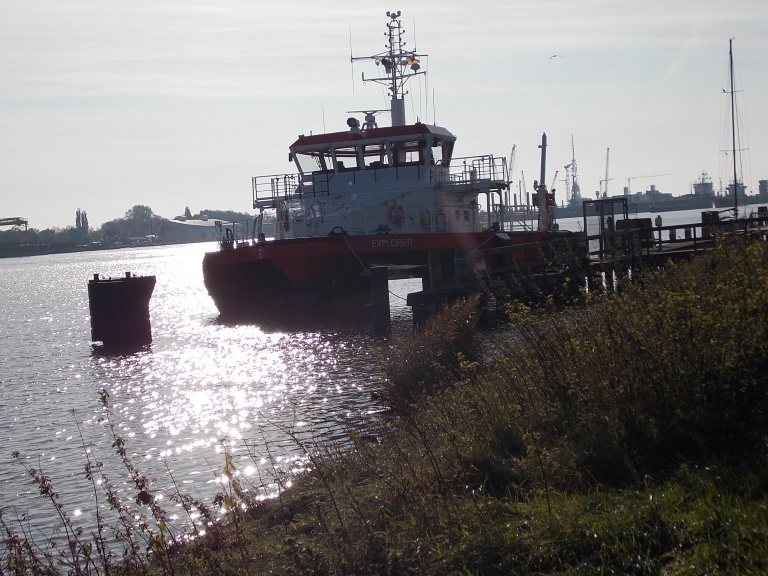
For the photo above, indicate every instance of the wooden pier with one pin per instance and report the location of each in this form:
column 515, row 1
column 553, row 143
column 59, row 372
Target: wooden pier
column 662, row 243
column 611, row 246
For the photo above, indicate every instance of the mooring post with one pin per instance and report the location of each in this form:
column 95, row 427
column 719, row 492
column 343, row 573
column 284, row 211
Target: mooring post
column 658, row 223
column 379, row 278
column 120, row 311
column 435, row 266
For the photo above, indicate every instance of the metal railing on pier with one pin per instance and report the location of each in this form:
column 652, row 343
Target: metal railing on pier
column 641, row 238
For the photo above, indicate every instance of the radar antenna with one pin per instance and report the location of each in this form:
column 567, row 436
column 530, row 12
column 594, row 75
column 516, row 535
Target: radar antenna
column 399, row 66
column 370, row 117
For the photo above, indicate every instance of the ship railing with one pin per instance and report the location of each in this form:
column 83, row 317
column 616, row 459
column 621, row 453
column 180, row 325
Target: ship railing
column 643, row 237
column 513, row 219
column 234, row 233
column 481, row 172
column 483, row 175
column 269, row 190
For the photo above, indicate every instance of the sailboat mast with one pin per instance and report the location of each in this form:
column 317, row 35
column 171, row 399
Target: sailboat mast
column 733, row 132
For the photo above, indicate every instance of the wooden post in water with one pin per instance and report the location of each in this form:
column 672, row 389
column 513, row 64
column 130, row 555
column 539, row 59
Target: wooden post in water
column 120, row 311
column 382, row 323
column 435, row 265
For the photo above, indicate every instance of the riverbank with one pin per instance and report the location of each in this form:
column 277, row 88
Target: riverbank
column 22, row 250
column 625, row 435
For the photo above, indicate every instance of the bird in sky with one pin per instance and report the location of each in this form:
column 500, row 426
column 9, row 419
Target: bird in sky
column 555, row 56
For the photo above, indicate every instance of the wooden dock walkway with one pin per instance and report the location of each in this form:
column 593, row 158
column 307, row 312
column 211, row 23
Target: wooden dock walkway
column 561, row 266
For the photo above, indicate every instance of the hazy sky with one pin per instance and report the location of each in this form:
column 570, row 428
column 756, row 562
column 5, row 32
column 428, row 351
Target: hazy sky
column 108, row 104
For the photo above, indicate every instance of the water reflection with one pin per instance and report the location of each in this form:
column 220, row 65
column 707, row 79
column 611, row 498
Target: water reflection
column 201, row 387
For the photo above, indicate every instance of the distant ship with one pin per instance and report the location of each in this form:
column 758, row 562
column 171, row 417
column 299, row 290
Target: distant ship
column 703, row 197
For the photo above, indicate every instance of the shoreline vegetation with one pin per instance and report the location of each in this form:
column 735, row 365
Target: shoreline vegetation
column 139, row 227
column 623, row 434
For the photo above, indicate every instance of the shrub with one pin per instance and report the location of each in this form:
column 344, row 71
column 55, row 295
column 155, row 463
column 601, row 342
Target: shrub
column 674, row 367
column 435, row 357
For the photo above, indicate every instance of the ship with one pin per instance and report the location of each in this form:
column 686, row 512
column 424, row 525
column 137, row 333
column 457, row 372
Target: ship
column 369, row 196
column 653, row 200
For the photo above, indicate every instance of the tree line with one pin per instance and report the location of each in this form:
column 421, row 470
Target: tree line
column 139, row 221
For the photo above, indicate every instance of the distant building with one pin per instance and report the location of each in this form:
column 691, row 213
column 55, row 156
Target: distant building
column 188, row 231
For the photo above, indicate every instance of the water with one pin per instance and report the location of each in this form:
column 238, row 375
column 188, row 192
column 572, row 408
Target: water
column 677, row 218
column 200, row 389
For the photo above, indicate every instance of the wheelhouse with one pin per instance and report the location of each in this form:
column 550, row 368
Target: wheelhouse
column 373, row 149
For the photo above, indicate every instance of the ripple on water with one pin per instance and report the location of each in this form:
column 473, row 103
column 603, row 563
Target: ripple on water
column 200, row 389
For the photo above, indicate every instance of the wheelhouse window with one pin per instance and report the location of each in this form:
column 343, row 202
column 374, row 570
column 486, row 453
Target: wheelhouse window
column 375, row 155
column 346, row 158
column 409, row 153
column 313, row 160
column 442, row 150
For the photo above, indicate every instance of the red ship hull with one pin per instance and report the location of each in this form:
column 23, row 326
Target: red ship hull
column 284, row 279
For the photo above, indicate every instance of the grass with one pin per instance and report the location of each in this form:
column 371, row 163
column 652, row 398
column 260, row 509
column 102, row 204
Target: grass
column 626, row 435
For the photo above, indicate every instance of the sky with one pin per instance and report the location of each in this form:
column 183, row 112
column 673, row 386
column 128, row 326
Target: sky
column 105, row 105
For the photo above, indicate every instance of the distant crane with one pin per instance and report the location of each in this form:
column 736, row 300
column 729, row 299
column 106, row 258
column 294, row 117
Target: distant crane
column 575, row 195
column 15, row 221
column 630, row 178
column 512, row 155
column 523, row 193
column 606, row 179
column 554, row 179
column 567, row 181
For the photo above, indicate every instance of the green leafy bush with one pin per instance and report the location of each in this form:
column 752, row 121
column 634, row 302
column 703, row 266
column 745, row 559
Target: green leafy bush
column 436, row 357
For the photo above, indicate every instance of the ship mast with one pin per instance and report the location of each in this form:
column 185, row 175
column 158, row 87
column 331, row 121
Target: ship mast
column 546, row 213
column 399, row 65
column 733, row 133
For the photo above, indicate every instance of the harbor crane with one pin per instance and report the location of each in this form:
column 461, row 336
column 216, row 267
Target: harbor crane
column 523, row 191
column 630, row 178
column 15, row 221
column 606, row 179
column 511, row 172
column 575, row 196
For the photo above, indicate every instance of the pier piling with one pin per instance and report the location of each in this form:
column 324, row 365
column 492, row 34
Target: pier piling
column 119, row 310
column 382, row 322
